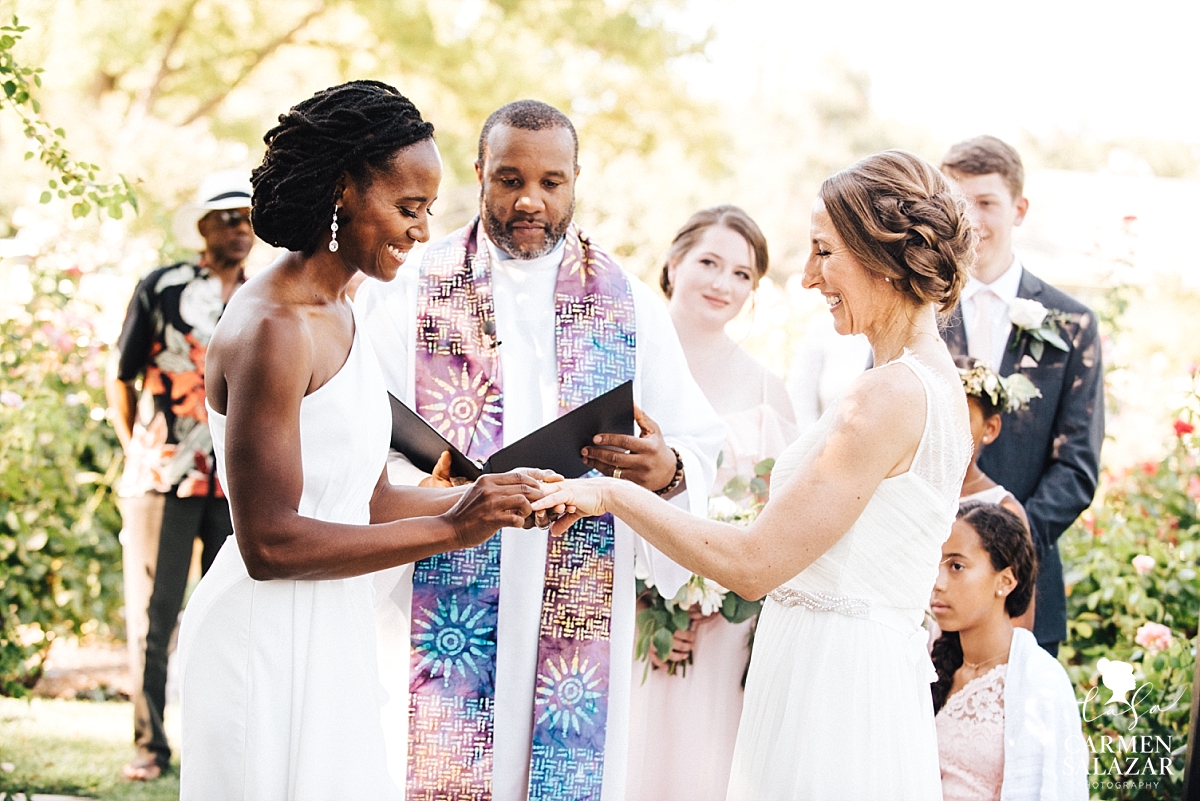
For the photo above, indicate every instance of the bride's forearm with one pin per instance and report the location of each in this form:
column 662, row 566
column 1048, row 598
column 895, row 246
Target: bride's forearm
column 724, row 553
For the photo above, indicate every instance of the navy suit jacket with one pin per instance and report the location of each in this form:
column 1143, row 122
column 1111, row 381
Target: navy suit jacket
column 1048, row 455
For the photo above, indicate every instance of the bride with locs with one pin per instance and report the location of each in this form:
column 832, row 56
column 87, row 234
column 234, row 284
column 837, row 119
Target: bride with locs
column 281, row 693
column 838, row 701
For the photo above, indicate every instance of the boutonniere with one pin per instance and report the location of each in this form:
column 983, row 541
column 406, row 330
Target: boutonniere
column 1036, row 324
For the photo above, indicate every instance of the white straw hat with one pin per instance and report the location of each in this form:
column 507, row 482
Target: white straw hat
column 227, row 189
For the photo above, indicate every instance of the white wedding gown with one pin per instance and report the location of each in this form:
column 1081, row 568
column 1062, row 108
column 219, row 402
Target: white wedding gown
column 281, row 691
column 838, row 702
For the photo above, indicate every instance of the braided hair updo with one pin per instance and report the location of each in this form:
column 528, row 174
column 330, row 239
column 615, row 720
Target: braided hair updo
column 353, row 128
column 1008, row 544
column 898, row 215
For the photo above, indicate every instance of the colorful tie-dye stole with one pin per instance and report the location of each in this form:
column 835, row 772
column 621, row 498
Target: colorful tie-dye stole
column 456, row 595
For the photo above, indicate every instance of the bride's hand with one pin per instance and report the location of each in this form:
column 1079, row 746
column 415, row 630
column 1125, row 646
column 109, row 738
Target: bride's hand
column 543, row 518
column 572, row 500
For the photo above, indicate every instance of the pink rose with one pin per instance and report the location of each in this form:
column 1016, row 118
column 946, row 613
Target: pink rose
column 1154, row 637
column 1193, row 488
column 1143, row 563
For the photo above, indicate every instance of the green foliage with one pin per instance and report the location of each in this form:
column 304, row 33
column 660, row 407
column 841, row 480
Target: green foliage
column 1149, row 511
column 75, row 181
column 59, row 556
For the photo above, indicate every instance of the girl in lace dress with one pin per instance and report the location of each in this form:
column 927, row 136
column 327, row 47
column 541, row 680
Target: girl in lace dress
column 713, row 265
column 1007, row 723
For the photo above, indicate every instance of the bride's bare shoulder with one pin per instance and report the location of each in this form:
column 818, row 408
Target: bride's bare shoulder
column 888, row 398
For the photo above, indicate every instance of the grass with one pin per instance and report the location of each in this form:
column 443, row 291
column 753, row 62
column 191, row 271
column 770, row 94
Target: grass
column 73, row 748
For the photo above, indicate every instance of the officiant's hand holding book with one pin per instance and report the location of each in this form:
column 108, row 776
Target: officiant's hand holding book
column 556, row 446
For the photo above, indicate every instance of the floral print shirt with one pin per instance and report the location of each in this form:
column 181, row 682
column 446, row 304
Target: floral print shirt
column 164, row 340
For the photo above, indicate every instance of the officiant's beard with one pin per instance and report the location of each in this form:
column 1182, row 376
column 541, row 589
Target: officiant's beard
column 501, row 233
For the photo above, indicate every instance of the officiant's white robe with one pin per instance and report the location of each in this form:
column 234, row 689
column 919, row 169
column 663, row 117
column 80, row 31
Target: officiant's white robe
column 663, row 387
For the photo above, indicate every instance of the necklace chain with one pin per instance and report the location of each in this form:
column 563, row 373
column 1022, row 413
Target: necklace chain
column 975, row 666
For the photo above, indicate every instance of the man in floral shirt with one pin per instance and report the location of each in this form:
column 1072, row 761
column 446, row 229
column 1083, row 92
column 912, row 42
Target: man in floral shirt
column 169, row 465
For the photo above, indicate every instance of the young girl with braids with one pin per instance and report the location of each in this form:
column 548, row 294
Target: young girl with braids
column 1007, row 723
column 988, row 397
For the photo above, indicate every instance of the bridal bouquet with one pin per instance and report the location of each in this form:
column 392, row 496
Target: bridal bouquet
column 659, row 618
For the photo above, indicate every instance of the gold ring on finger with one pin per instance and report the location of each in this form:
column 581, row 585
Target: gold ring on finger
column 616, row 472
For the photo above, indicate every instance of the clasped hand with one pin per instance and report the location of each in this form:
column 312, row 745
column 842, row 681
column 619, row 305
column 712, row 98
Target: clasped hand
column 573, row 499
column 503, row 500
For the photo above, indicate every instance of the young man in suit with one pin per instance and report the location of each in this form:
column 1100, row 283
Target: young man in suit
column 1048, row 454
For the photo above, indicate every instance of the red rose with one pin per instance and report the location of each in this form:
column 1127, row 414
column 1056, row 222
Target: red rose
column 1183, row 427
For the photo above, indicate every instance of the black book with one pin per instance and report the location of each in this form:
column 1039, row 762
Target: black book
column 555, row 446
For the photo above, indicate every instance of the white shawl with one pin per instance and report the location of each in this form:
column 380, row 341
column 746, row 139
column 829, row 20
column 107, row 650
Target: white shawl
column 1045, row 756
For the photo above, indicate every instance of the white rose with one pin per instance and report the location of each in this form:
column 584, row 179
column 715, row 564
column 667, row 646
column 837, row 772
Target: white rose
column 721, row 508
column 1027, row 314
column 713, row 598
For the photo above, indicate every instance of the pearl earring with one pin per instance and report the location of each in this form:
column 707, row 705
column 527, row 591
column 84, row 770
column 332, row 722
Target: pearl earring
column 333, row 226
column 999, row 593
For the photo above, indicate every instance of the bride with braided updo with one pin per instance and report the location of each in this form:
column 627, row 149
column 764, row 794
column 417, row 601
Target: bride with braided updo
column 838, row 702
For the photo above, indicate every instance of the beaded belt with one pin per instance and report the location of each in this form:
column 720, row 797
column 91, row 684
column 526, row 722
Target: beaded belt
column 821, row 601
column 896, row 619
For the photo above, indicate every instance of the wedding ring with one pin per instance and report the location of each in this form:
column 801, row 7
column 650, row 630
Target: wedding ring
column 616, row 472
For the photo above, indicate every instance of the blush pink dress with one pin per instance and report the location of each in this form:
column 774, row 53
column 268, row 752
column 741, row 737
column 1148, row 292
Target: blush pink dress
column 970, row 731
column 683, row 727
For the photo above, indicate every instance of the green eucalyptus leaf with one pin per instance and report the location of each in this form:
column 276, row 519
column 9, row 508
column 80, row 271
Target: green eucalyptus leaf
column 1057, row 341
column 663, row 639
column 1036, row 347
column 735, row 488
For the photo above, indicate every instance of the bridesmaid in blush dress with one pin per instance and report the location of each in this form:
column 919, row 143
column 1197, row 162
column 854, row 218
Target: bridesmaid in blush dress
column 683, row 726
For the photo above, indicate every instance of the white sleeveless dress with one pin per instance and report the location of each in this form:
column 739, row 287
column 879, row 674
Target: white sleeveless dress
column 706, row 702
column 837, row 703
column 281, row 691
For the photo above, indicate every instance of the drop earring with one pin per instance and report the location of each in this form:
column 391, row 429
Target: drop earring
column 333, row 226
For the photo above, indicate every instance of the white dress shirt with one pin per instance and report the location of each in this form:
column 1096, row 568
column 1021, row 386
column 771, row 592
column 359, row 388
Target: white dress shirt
column 1005, row 288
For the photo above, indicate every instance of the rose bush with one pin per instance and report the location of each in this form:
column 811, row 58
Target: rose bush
column 1132, row 564
column 60, row 568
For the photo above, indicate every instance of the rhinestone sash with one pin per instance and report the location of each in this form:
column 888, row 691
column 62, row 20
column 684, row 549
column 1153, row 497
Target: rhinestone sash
column 821, row 601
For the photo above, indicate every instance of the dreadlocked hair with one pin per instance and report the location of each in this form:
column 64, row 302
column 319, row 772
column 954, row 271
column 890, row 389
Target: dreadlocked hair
column 1008, row 544
column 355, row 128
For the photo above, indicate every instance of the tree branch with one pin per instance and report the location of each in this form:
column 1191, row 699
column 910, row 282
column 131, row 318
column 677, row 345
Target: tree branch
column 164, row 68
column 258, row 57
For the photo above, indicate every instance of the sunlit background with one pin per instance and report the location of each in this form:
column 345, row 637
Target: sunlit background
column 680, row 105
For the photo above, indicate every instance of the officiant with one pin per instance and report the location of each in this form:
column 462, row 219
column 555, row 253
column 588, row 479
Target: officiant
column 517, row 651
